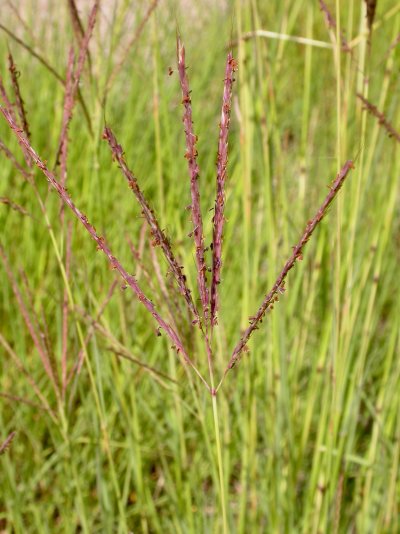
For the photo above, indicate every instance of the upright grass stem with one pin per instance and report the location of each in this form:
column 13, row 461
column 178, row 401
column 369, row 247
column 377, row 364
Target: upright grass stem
column 220, row 464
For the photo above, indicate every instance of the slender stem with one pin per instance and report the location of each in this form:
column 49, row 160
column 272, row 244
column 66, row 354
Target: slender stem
column 217, row 434
column 220, row 464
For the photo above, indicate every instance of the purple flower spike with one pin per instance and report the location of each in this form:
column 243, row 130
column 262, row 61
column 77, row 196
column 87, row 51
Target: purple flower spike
column 297, row 255
column 194, row 171
column 222, row 162
column 158, row 235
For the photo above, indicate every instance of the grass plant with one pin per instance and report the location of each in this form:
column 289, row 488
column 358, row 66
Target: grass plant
column 130, row 412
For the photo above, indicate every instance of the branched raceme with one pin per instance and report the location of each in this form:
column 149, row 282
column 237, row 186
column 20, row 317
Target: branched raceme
column 206, row 318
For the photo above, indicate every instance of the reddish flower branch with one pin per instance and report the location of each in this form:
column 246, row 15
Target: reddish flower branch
column 62, row 153
column 10, row 109
column 278, row 286
column 380, row 116
column 72, row 82
column 7, row 443
column 76, row 21
column 159, row 238
column 19, row 103
column 194, row 171
column 36, row 337
column 331, row 24
column 222, row 162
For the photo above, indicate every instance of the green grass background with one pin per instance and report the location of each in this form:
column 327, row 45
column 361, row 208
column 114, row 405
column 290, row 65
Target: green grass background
column 310, row 423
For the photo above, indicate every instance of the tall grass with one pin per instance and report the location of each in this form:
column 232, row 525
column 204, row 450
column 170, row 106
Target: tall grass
column 112, row 434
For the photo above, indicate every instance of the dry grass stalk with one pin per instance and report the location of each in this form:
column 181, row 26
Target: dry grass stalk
column 72, row 81
column 47, row 65
column 141, row 269
column 102, row 244
column 84, row 44
column 222, row 162
column 371, row 9
column 194, row 171
column 45, row 335
column 331, row 24
column 22, row 369
column 7, row 443
column 279, row 285
column 144, row 366
column 67, row 115
column 65, row 312
column 40, row 324
column 43, row 354
column 393, row 45
column 33, row 53
column 329, row 18
column 19, row 103
column 81, row 356
column 20, row 19
column 31, row 308
column 62, row 153
column 163, row 296
column 115, row 346
column 10, row 109
column 22, row 400
column 77, row 25
column 158, row 236
column 6, row 101
column 170, row 294
column 380, row 116
column 16, row 207
column 10, row 156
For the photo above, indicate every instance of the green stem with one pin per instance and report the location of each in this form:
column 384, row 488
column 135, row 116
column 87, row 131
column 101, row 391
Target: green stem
column 220, row 464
